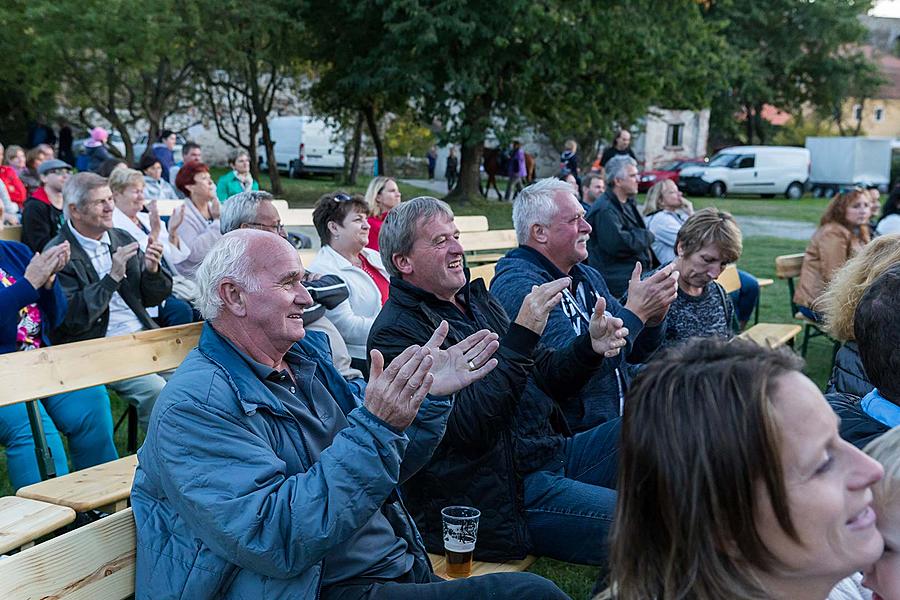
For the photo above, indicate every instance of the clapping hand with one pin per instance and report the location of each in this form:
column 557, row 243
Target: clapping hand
column 155, row 222
column 175, row 222
column 120, row 260
column 395, row 394
column 43, row 267
column 607, row 332
column 215, row 209
column 536, row 306
column 650, row 299
column 153, row 255
column 461, row 364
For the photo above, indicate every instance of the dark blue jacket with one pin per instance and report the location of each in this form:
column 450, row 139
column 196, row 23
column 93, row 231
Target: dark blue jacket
column 165, row 157
column 14, row 259
column 525, row 267
column 228, row 503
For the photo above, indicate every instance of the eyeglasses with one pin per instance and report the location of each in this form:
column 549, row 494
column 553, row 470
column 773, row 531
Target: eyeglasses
column 276, row 228
column 59, row 172
column 341, row 197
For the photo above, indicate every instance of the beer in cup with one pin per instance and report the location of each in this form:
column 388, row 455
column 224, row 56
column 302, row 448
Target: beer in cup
column 460, row 525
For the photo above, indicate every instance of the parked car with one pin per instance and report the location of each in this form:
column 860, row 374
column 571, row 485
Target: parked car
column 140, row 146
column 764, row 170
column 304, row 145
column 668, row 170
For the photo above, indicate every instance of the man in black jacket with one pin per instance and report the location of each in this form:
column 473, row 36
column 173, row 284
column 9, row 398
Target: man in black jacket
column 108, row 282
column 507, row 450
column 619, row 237
column 876, row 325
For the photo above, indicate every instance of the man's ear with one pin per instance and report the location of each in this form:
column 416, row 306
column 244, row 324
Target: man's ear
column 402, row 263
column 679, row 250
column 540, row 233
column 232, row 298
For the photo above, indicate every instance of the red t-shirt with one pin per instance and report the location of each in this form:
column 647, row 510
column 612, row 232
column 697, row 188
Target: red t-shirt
column 380, row 280
column 374, row 229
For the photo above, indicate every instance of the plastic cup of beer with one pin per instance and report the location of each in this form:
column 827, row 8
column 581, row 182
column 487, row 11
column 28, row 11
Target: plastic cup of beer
column 460, row 531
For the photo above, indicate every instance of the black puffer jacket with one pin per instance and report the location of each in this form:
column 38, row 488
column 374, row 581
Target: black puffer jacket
column 849, row 376
column 856, row 426
column 501, row 428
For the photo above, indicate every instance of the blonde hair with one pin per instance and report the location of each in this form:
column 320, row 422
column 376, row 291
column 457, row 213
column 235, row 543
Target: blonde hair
column 886, row 450
column 571, row 145
column 651, row 205
column 121, row 179
column 851, row 281
column 375, row 187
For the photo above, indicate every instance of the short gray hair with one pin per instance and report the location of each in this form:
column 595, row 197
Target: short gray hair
column 241, row 208
column 615, row 168
column 236, row 154
column 398, row 232
column 228, row 259
column 536, row 205
column 78, row 188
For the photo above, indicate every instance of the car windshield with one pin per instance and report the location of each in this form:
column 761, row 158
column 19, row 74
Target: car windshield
column 722, row 159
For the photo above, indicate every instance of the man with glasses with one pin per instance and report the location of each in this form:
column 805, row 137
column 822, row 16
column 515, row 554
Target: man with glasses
column 109, row 282
column 619, row 238
column 42, row 212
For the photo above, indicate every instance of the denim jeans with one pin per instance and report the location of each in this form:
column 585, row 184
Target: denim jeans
column 141, row 392
column 497, row 586
column 569, row 510
column 811, row 314
column 744, row 299
column 83, row 416
column 175, row 311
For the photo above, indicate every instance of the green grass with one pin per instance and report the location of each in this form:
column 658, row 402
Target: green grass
column 758, row 258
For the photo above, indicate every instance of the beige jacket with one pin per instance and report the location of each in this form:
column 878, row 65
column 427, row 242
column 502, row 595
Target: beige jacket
column 831, row 246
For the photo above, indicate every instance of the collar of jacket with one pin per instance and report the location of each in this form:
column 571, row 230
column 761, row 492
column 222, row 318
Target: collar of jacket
column 410, row 295
column 40, row 194
column 531, row 255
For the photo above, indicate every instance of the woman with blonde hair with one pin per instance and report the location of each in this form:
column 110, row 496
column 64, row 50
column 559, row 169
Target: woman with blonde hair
column 838, row 305
column 382, row 195
column 842, row 233
column 665, row 211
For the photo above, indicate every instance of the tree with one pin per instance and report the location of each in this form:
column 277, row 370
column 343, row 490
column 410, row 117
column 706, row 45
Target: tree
column 127, row 61
column 499, row 67
column 251, row 57
column 789, row 55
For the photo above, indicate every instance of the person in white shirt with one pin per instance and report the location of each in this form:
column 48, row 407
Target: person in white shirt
column 127, row 186
column 890, row 215
column 342, row 225
column 109, row 282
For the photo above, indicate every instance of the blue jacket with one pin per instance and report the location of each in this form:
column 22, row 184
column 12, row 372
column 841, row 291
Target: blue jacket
column 165, row 157
column 524, row 267
column 14, row 259
column 227, row 502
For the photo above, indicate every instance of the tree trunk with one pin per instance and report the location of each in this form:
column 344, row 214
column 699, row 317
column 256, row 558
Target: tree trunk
column 372, row 124
column 274, row 176
column 758, row 124
column 252, row 149
column 357, row 147
column 475, row 121
column 748, row 122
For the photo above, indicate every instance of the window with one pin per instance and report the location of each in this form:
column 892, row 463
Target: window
column 746, row 162
column 879, row 113
column 857, row 112
column 674, row 135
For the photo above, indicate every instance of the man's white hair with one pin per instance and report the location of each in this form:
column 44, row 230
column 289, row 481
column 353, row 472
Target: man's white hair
column 228, row 259
column 535, row 205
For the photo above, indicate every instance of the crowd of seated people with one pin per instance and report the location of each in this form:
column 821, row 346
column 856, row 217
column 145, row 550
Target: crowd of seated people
column 344, row 403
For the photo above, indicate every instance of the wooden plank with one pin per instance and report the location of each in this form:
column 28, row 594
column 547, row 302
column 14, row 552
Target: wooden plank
column 729, row 279
column 307, row 256
column 68, row 367
column 94, row 562
column 471, row 223
column 167, row 207
column 764, row 281
column 788, row 265
column 771, row 335
column 87, row 489
column 11, row 233
column 439, row 563
column 297, row 217
column 485, row 272
column 282, row 207
column 473, row 260
column 494, row 239
column 23, row 520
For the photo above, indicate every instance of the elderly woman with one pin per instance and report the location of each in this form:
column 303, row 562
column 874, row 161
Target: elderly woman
column 842, row 233
column 201, row 214
column 707, row 242
column 839, row 304
column 381, row 196
column 127, row 186
column 31, row 304
column 239, row 178
column 734, row 482
column 155, row 186
column 341, row 223
column 883, row 577
column 9, row 175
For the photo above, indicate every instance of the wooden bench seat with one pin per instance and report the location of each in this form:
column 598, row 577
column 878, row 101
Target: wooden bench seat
column 94, row 562
column 771, row 335
column 439, row 562
column 22, row 521
column 105, row 487
column 11, row 233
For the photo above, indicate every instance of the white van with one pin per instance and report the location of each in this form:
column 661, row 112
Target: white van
column 304, row 145
column 765, row 170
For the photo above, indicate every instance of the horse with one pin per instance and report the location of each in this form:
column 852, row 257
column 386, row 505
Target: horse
column 495, row 163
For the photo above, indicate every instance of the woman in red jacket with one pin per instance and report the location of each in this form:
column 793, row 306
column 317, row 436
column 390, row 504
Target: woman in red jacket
column 10, row 177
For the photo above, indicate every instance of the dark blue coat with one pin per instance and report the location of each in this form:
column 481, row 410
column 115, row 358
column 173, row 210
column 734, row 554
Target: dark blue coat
column 14, row 259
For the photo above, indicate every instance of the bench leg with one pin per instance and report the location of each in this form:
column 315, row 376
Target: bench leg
column 132, row 429
column 114, row 507
column 46, row 466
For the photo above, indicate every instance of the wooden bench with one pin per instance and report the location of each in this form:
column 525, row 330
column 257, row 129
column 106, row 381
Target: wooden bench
column 103, row 487
column 770, row 335
column 788, row 267
column 22, row 521
column 94, row 562
column 439, row 563
column 485, row 272
column 483, row 246
column 11, row 233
